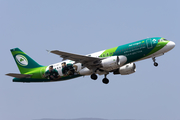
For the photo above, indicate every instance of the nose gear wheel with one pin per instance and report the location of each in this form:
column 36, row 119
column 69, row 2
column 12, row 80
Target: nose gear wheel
column 155, row 63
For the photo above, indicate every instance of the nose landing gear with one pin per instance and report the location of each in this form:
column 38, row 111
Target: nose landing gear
column 155, row 63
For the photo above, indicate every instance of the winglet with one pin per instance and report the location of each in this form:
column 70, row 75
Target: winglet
column 48, row 51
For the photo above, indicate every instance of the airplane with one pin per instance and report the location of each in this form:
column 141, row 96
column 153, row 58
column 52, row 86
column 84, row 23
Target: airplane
column 117, row 60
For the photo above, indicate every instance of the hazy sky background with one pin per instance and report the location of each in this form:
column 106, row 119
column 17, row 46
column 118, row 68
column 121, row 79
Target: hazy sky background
column 84, row 27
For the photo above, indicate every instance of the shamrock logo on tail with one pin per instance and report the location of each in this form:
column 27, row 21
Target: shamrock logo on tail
column 21, row 60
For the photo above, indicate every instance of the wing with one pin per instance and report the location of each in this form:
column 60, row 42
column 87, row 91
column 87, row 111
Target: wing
column 19, row 75
column 87, row 61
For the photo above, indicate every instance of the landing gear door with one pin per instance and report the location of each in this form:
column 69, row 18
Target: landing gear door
column 149, row 43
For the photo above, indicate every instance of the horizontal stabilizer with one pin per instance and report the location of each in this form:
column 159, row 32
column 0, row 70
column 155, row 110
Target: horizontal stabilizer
column 19, row 75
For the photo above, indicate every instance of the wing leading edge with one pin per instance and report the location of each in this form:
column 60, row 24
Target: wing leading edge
column 85, row 60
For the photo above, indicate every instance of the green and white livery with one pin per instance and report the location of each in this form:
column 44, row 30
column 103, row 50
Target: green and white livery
column 118, row 60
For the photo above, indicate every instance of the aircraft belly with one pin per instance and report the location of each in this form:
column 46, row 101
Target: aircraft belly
column 110, row 68
column 28, row 80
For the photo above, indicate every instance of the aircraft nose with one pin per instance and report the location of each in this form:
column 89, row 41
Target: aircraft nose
column 171, row 44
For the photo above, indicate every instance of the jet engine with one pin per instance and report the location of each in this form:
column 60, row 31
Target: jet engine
column 107, row 64
column 126, row 69
column 85, row 71
column 113, row 61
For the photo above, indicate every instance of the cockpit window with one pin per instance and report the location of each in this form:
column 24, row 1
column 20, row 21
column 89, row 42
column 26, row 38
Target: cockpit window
column 165, row 39
column 162, row 39
column 159, row 40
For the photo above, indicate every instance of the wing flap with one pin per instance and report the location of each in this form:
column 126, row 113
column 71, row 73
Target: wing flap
column 19, row 75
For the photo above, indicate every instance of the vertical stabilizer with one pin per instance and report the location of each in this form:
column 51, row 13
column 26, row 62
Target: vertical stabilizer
column 23, row 61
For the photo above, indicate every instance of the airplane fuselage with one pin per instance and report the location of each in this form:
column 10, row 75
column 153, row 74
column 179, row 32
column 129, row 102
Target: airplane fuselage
column 132, row 52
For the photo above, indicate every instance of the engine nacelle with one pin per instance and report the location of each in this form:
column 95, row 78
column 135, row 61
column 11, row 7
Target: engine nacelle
column 107, row 64
column 85, row 71
column 126, row 69
column 113, row 61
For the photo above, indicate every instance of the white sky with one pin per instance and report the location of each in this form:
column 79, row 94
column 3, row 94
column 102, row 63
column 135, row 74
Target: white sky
column 84, row 27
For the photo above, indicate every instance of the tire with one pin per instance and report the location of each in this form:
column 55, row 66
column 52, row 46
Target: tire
column 155, row 64
column 94, row 76
column 105, row 81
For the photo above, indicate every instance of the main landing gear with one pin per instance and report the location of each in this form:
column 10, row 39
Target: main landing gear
column 155, row 63
column 94, row 76
column 105, row 80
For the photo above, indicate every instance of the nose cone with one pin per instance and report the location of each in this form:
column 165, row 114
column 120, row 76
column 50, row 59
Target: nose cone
column 171, row 44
